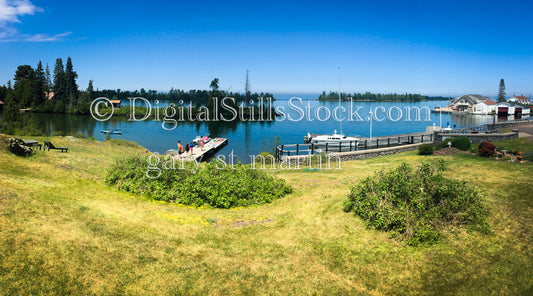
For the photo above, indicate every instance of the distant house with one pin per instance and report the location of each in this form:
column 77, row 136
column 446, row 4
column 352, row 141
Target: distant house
column 520, row 99
column 116, row 103
column 484, row 107
column 49, row 95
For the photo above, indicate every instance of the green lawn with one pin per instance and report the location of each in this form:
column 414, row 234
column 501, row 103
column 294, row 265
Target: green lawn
column 65, row 232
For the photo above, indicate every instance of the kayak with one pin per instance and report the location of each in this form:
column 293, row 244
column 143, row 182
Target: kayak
column 115, row 132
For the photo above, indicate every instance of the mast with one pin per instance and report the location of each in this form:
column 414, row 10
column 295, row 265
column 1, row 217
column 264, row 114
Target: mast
column 340, row 95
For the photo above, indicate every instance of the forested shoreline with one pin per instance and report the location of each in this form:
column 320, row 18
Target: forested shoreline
column 372, row 97
column 38, row 90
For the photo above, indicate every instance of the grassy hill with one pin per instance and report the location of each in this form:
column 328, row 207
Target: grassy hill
column 63, row 231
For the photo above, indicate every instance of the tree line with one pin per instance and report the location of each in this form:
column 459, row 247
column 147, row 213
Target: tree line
column 368, row 96
column 40, row 90
column 35, row 89
column 194, row 95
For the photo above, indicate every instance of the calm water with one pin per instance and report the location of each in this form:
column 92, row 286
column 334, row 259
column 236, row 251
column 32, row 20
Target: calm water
column 247, row 138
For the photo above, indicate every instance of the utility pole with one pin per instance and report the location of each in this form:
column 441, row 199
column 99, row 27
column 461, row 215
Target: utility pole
column 247, row 88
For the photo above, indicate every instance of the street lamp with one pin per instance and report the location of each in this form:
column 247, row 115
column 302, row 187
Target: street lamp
column 370, row 124
column 440, row 122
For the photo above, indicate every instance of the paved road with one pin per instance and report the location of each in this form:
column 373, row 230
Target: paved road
column 526, row 130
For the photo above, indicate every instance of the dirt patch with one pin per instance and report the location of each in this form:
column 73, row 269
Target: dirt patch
column 242, row 222
column 65, row 167
column 448, row 151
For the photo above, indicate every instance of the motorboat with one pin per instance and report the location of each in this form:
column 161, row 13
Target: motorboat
column 334, row 138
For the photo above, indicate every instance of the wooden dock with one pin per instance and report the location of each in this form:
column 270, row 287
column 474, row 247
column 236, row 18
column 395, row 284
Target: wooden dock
column 200, row 154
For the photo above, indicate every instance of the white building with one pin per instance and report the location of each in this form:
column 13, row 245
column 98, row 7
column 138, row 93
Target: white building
column 509, row 108
column 520, row 99
column 484, row 107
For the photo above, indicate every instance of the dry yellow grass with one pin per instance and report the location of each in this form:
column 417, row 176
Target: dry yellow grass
column 65, row 232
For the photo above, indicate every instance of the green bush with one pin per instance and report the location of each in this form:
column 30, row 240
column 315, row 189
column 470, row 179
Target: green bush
column 443, row 144
column 461, row 143
column 267, row 157
column 416, row 204
column 123, row 142
column 212, row 184
column 57, row 134
column 79, row 135
column 425, row 149
column 528, row 155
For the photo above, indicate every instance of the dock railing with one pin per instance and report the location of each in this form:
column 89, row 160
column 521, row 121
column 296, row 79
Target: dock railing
column 363, row 144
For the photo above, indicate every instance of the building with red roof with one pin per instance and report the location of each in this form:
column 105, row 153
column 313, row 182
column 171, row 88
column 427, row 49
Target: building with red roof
column 520, row 99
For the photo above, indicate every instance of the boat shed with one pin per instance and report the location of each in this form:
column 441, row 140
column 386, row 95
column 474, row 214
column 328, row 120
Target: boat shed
column 506, row 108
column 467, row 102
column 484, row 107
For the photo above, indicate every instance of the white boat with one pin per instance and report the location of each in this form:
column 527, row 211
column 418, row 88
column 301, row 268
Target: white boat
column 205, row 139
column 331, row 139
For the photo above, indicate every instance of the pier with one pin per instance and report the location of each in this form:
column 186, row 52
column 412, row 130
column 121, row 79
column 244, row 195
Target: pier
column 199, row 154
column 379, row 146
column 352, row 146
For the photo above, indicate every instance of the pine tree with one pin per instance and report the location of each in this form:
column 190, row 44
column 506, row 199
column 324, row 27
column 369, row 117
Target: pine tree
column 84, row 102
column 501, row 93
column 3, row 93
column 11, row 115
column 48, row 78
column 59, row 87
column 25, row 87
column 40, row 89
column 71, row 88
column 90, row 88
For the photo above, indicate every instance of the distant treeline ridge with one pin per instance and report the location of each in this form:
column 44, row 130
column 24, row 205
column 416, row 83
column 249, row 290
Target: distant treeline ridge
column 368, row 96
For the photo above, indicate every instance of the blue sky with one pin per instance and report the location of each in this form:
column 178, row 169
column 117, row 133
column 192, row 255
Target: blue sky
column 428, row 47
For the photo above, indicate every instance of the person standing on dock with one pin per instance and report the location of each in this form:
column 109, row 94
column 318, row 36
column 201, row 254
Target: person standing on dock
column 187, row 149
column 201, row 145
column 180, row 147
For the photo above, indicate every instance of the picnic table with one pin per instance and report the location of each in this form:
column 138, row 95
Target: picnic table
column 32, row 143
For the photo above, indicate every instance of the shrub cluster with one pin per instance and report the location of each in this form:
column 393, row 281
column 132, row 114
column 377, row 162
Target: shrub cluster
column 486, row 149
column 461, row 143
column 210, row 185
column 443, row 144
column 425, row 149
column 416, row 204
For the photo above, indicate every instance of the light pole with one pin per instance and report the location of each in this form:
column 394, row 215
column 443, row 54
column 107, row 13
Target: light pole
column 440, row 116
column 370, row 124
